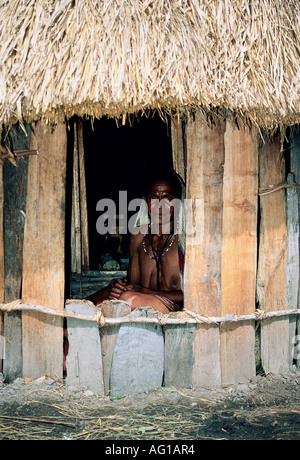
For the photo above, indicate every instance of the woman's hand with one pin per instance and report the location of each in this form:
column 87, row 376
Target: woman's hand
column 137, row 288
column 116, row 287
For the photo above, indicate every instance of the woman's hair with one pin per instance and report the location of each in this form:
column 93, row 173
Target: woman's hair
column 171, row 177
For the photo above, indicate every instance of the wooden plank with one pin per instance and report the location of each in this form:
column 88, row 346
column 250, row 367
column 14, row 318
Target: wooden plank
column 84, row 360
column 138, row 359
column 178, row 151
column 239, row 252
column 15, row 189
column 1, row 262
column 202, row 286
column 83, row 200
column 292, row 215
column 179, row 355
column 1, row 233
column 179, row 339
column 76, row 255
column 44, row 251
column 109, row 334
column 15, row 185
column 272, row 259
column 20, row 138
column 293, row 195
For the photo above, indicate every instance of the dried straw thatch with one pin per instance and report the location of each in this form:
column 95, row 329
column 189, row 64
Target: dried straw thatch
column 112, row 57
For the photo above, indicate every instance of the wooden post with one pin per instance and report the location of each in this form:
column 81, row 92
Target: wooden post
column 79, row 224
column 1, row 233
column 44, row 251
column 109, row 335
column 179, row 339
column 272, row 262
column 83, row 200
column 179, row 355
column 293, row 214
column 239, row 253
column 202, row 287
column 292, row 220
column 1, row 261
column 76, row 254
column 15, row 189
column 178, row 151
column 84, row 361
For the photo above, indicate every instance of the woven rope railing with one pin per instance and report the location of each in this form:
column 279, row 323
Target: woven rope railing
column 160, row 318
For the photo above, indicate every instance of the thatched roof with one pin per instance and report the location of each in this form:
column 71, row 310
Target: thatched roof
column 112, row 57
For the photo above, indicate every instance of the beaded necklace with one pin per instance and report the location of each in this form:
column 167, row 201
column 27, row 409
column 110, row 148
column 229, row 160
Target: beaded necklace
column 158, row 254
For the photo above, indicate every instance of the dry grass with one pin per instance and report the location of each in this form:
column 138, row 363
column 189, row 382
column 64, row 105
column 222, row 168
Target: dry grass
column 151, row 417
column 113, row 57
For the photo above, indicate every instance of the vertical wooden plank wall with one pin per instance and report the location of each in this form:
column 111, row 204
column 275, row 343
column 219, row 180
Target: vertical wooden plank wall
column 44, row 251
column 202, row 288
column 220, row 270
column 272, row 259
column 239, row 252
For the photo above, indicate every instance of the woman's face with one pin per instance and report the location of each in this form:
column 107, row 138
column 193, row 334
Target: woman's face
column 159, row 201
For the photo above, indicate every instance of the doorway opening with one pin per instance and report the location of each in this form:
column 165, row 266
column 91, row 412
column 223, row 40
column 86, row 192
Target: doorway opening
column 118, row 158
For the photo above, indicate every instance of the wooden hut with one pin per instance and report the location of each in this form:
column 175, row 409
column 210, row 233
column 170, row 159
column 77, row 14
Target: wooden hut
column 227, row 74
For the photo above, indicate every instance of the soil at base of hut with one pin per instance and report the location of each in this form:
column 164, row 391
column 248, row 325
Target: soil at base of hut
column 46, row 409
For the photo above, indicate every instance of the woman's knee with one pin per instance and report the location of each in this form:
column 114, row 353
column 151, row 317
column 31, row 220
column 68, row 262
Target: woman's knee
column 129, row 297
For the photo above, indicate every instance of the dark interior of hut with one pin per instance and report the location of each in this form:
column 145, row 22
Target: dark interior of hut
column 118, row 158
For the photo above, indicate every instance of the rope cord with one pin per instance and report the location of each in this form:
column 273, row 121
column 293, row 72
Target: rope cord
column 101, row 320
column 275, row 188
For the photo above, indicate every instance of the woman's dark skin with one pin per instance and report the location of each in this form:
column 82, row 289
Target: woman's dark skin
column 140, row 287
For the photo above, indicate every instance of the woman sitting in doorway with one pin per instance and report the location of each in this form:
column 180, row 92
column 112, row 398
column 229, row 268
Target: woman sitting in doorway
column 156, row 257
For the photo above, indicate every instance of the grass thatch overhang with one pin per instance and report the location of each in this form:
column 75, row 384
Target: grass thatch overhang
column 97, row 58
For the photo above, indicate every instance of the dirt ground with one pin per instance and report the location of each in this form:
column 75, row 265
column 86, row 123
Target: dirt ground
column 45, row 409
